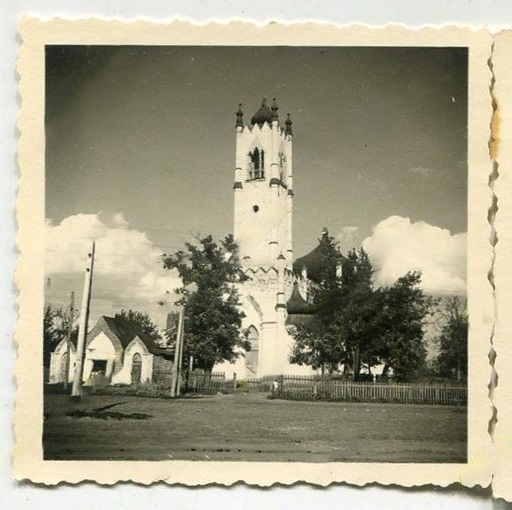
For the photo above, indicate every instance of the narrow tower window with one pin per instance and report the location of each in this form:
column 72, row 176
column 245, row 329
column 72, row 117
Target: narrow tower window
column 257, row 164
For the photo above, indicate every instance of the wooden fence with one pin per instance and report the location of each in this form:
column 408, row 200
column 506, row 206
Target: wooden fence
column 263, row 384
column 207, row 384
column 314, row 388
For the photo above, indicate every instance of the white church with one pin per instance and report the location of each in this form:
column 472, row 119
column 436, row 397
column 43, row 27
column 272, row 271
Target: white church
column 274, row 298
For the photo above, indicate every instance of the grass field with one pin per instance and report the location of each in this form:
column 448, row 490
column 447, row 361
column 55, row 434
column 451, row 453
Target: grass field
column 250, row 427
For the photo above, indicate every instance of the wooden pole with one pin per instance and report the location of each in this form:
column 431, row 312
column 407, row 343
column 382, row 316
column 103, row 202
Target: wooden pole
column 182, row 343
column 70, row 332
column 177, row 352
column 76, row 391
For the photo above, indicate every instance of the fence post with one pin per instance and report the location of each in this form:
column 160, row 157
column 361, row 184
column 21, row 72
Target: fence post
column 234, row 380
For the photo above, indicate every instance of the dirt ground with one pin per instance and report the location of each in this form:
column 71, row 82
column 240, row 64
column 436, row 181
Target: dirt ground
column 250, row 427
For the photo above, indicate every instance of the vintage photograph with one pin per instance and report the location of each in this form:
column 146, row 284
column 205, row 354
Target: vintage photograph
column 255, row 253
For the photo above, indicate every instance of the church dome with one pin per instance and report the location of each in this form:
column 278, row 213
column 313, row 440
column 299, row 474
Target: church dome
column 314, row 261
column 264, row 114
column 300, row 312
column 297, row 305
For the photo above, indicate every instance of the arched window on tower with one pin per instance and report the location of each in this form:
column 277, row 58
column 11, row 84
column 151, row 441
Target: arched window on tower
column 251, row 357
column 257, row 164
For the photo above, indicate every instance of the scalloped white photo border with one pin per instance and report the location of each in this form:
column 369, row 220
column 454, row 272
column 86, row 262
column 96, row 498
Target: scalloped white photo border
column 28, row 455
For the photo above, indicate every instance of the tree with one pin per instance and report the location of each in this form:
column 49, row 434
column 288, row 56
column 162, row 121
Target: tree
column 213, row 319
column 56, row 323
column 357, row 325
column 357, row 312
column 171, row 329
column 318, row 344
column 403, row 312
column 344, row 307
column 144, row 322
column 328, row 281
column 453, row 339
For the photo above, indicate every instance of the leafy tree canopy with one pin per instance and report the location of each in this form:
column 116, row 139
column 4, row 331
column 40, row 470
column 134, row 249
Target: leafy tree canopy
column 56, row 326
column 147, row 326
column 453, row 338
column 403, row 311
column 210, row 271
column 358, row 325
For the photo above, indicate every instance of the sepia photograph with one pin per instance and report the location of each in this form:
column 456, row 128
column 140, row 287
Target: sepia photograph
column 255, row 253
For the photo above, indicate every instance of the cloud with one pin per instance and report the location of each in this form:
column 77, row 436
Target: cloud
column 119, row 221
column 128, row 272
column 398, row 245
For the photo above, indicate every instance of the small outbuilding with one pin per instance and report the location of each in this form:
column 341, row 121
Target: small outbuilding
column 117, row 352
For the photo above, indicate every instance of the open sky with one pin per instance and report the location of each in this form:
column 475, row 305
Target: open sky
column 140, row 156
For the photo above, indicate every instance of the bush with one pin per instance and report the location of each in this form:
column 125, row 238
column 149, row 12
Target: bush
column 144, row 390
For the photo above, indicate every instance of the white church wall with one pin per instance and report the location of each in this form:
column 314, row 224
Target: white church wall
column 253, row 317
column 288, row 368
column 99, row 348
column 262, row 218
column 235, row 369
column 275, row 343
column 124, row 376
column 262, row 213
column 264, row 294
column 57, row 358
column 102, row 348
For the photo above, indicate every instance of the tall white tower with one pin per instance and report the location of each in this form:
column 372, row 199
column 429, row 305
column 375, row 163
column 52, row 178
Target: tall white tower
column 263, row 202
column 263, row 188
column 263, row 206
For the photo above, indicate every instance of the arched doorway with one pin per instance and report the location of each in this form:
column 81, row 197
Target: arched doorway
column 64, row 367
column 251, row 357
column 136, row 368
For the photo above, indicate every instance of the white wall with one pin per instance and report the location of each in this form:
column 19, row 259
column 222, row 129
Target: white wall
column 100, row 348
column 275, row 344
column 264, row 235
column 254, row 230
column 56, row 361
column 124, row 376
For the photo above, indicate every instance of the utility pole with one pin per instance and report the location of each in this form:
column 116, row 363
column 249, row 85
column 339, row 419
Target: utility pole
column 76, row 391
column 182, row 342
column 177, row 354
column 70, row 332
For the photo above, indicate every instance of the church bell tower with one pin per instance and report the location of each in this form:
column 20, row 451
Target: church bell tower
column 263, row 189
column 263, row 205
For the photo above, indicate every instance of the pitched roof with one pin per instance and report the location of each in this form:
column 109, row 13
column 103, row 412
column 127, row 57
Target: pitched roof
column 164, row 352
column 125, row 331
